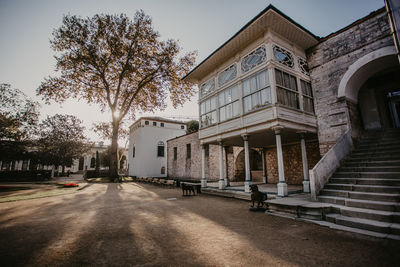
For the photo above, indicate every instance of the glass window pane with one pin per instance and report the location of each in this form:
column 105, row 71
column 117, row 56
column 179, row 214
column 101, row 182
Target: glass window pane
column 247, row 104
column 221, row 99
column 266, row 96
column 222, row 116
column 253, row 84
column 202, row 108
column 213, row 117
column 246, row 87
column 293, row 84
column 228, row 96
column 208, row 108
column 286, row 82
column 236, row 108
column 235, row 92
column 255, row 100
column 263, row 79
column 213, row 104
column 228, row 111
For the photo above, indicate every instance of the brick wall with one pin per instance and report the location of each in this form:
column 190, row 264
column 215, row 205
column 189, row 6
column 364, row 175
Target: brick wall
column 329, row 61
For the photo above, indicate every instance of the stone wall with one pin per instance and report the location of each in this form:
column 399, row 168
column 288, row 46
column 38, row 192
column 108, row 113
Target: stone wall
column 293, row 165
column 185, row 168
column 329, row 61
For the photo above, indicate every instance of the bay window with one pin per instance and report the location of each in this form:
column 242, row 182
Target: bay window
column 256, row 91
column 208, row 113
column 308, row 102
column 286, row 89
column 229, row 106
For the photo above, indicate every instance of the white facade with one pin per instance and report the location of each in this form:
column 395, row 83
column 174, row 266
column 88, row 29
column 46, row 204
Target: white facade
column 148, row 145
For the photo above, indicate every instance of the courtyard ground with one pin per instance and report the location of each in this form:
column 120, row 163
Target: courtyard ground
column 138, row 224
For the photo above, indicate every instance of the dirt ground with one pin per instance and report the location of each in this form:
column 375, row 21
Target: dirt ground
column 136, row 224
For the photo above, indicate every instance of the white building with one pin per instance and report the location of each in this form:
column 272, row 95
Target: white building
column 148, row 143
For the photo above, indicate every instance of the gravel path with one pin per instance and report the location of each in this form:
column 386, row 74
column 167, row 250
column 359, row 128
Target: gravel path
column 135, row 224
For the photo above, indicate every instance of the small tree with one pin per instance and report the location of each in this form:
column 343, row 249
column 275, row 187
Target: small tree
column 120, row 64
column 192, row 126
column 61, row 140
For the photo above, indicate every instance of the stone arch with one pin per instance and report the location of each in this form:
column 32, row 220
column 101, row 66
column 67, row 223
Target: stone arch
column 363, row 68
column 255, row 163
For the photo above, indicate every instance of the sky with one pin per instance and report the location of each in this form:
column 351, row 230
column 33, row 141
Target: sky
column 26, row 28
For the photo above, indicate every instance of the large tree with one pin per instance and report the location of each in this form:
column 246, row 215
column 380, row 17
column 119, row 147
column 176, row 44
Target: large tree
column 18, row 120
column 120, row 64
column 61, row 140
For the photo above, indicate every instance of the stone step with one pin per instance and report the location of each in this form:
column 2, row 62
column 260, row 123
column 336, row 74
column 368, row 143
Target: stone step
column 378, row 215
column 371, row 163
column 362, row 147
column 364, row 188
column 360, row 203
column 366, row 181
column 375, row 154
column 367, row 157
column 370, row 169
column 370, row 225
column 361, row 195
column 366, row 175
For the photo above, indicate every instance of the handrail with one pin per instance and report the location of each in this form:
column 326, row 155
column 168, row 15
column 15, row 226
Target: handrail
column 328, row 164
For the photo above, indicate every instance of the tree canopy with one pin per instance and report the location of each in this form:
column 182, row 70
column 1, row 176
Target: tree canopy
column 19, row 117
column 118, row 63
column 192, row 126
column 61, row 139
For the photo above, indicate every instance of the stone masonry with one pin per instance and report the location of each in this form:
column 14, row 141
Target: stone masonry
column 329, row 61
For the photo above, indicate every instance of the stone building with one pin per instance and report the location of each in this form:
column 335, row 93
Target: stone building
column 274, row 98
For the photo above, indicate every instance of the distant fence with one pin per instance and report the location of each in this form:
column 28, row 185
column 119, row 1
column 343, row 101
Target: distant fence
column 24, row 176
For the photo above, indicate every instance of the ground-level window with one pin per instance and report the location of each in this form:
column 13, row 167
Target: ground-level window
column 188, row 151
column 160, row 149
column 175, row 153
column 146, row 122
column 182, row 126
column 286, row 88
column 162, row 170
column 161, row 124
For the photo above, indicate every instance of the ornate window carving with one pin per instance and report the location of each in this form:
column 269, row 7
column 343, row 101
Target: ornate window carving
column 283, row 56
column 227, row 75
column 254, row 59
column 207, row 87
column 303, row 66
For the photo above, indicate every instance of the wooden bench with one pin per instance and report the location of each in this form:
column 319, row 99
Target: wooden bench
column 188, row 188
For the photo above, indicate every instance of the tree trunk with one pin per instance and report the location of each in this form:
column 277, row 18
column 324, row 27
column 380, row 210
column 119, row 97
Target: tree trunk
column 114, row 152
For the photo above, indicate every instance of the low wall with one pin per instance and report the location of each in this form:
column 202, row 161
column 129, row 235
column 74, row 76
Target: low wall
column 328, row 164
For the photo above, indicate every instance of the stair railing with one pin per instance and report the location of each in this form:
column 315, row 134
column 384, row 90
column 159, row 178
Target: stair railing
column 328, row 164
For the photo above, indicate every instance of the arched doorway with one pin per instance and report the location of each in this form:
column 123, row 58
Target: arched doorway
column 372, row 84
column 255, row 164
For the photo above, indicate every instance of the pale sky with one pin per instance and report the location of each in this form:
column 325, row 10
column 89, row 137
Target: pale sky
column 26, row 28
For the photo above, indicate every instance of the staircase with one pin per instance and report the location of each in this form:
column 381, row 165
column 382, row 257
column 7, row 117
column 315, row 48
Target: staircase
column 365, row 190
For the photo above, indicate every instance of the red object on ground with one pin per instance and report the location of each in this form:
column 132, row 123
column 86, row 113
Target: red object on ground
column 71, row 185
column 4, row 186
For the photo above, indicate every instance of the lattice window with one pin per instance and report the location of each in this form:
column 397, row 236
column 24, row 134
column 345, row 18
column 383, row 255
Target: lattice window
column 283, row 56
column 227, row 75
column 208, row 87
column 308, row 101
column 286, row 88
column 303, row 66
column 254, row 59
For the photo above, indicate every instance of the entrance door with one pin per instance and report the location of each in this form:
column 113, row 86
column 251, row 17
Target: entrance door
column 394, row 107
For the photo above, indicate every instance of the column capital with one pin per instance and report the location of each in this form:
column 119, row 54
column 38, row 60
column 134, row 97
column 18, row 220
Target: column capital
column 277, row 129
column 245, row 137
column 302, row 134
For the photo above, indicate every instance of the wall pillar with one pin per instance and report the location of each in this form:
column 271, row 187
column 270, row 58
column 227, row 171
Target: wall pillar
column 226, row 178
column 221, row 182
column 246, row 163
column 264, row 169
column 282, row 186
column 203, row 166
column 306, row 182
